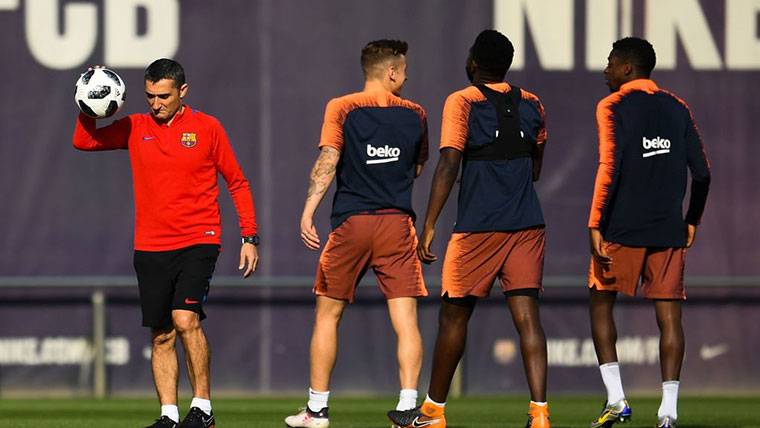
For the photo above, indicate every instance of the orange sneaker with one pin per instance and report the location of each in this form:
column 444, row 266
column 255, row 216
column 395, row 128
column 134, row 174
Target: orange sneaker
column 538, row 416
column 428, row 415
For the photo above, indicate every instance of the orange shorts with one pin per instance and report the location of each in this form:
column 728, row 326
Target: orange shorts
column 659, row 269
column 474, row 261
column 385, row 242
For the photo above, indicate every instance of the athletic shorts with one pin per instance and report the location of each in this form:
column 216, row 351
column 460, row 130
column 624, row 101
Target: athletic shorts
column 474, row 260
column 659, row 269
column 177, row 279
column 384, row 241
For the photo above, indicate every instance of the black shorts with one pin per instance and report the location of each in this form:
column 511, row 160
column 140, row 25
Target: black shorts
column 177, row 279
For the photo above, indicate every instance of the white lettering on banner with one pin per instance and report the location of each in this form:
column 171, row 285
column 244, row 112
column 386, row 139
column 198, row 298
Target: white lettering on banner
column 551, row 25
column 579, row 352
column 9, row 4
column 710, row 352
column 59, row 351
column 124, row 47
column 70, row 45
column 668, row 19
column 742, row 43
column 601, row 30
column 666, row 23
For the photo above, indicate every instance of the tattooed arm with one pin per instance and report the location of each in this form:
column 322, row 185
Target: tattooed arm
column 321, row 177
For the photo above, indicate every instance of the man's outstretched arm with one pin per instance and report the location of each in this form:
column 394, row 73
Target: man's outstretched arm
column 445, row 174
column 321, row 177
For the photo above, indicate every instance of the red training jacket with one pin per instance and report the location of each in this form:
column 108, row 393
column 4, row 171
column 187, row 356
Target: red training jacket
column 174, row 173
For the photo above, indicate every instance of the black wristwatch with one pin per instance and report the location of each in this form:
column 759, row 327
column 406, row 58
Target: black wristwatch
column 251, row 240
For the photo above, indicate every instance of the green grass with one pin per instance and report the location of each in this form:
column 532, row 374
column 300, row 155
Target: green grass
column 470, row 412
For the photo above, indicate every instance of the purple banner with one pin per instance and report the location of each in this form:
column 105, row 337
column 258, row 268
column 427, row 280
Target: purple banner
column 260, row 343
column 267, row 68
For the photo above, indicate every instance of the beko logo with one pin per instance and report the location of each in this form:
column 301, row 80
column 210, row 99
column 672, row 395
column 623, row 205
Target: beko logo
column 386, row 154
column 658, row 145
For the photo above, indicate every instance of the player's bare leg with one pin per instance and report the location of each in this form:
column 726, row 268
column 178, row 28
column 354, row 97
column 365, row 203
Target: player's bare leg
column 672, row 341
column 672, row 345
column 525, row 316
column 603, row 329
column 403, row 315
column 163, row 360
column 188, row 326
column 324, row 341
column 449, row 345
column 604, row 333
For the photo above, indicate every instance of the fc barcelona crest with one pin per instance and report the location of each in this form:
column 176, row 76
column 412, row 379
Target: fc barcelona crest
column 189, row 139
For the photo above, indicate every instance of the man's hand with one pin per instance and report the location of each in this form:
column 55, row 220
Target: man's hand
column 249, row 258
column 597, row 248
column 423, row 247
column 309, row 234
column 691, row 233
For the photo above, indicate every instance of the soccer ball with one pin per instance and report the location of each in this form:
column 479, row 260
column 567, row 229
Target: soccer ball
column 100, row 93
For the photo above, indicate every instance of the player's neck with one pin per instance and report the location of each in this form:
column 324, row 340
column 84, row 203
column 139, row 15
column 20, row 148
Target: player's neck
column 174, row 116
column 484, row 81
column 374, row 85
column 480, row 78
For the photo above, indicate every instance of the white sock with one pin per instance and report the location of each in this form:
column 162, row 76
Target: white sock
column 407, row 399
column 171, row 411
column 317, row 400
column 430, row 400
column 669, row 404
column 538, row 403
column 612, row 381
column 202, row 404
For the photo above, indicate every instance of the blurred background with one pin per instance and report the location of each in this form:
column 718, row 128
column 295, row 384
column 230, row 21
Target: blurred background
column 69, row 316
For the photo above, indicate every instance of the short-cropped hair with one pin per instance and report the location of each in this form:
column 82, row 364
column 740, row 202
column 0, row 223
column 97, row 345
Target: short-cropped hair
column 379, row 51
column 165, row 68
column 492, row 52
column 638, row 52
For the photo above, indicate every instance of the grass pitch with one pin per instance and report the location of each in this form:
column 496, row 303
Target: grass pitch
column 470, row 412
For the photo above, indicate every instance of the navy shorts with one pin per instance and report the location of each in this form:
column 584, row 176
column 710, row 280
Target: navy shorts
column 176, row 279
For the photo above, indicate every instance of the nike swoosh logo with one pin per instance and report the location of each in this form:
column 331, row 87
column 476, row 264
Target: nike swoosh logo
column 417, row 423
column 189, row 301
column 711, row 352
column 148, row 138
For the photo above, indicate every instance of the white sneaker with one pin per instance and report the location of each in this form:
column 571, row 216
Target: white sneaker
column 305, row 418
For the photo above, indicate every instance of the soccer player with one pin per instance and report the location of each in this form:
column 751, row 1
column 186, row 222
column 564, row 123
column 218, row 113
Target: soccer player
column 176, row 153
column 647, row 142
column 376, row 144
column 496, row 130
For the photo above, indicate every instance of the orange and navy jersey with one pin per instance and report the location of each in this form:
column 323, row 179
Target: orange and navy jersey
column 494, row 195
column 174, row 174
column 382, row 138
column 647, row 142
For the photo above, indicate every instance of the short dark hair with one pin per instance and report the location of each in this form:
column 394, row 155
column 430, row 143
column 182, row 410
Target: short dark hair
column 379, row 51
column 165, row 68
column 492, row 52
column 636, row 51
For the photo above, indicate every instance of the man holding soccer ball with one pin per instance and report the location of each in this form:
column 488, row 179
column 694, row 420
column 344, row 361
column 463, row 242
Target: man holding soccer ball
column 176, row 153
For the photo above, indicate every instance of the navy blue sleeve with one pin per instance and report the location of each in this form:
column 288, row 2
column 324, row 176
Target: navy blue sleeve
column 700, row 174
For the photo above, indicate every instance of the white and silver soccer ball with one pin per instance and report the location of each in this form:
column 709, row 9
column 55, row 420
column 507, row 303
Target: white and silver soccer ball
column 100, row 93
